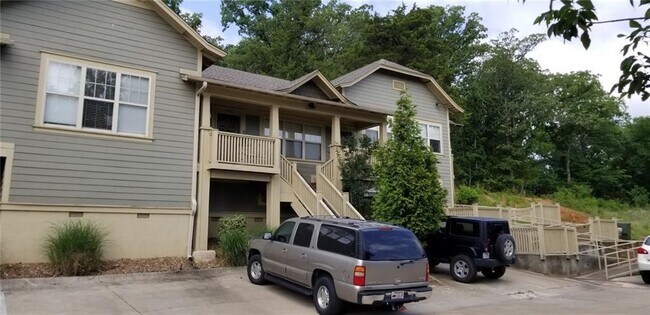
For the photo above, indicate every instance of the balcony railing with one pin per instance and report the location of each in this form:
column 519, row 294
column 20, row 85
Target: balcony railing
column 242, row 152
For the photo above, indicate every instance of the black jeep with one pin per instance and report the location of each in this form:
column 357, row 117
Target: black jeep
column 470, row 245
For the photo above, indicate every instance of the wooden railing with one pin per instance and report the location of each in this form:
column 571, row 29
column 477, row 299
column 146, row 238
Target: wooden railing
column 311, row 200
column 603, row 230
column 244, row 150
column 335, row 198
column 527, row 239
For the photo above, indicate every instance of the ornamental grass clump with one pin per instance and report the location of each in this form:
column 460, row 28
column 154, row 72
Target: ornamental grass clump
column 233, row 240
column 75, row 248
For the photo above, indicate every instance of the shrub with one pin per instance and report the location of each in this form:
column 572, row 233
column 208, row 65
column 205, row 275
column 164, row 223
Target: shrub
column 234, row 244
column 233, row 240
column 258, row 231
column 466, row 195
column 639, row 196
column 75, row 248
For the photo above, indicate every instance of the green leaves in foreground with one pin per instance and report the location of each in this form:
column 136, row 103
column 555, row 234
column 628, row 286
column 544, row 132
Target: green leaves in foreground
column 75, row 248
column 409, row 190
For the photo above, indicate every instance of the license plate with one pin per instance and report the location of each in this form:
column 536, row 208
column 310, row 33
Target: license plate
column 486, row 255
column 397, row 295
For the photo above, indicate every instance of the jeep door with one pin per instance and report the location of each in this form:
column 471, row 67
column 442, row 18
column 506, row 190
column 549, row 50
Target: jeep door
column 274, row 259
column 438, row 243
column 466, row 235
column 299, row 254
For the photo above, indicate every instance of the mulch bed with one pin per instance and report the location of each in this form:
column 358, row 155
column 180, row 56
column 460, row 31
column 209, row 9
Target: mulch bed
column 110, row 267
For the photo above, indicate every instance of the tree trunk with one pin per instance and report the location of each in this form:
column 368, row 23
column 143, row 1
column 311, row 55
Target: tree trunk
column 568, row 165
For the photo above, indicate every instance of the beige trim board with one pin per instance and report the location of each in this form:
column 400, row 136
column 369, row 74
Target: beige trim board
column 90, row 134
column 235, row 175
column 5, row 39
column 7, row 151
column 33, row 207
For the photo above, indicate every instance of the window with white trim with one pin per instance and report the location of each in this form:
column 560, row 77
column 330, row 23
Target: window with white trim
column 95, row 97
column 299, row 141
column 432, row 135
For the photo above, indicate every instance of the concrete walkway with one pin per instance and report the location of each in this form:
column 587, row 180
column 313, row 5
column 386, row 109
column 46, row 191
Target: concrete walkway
column 227, row 291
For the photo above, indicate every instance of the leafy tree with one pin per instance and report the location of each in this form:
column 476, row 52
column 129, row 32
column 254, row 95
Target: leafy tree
column 505, row 102
column 194, row 20
column 576, row 17
column 409, row 192
column 585, row 133
column 356, row 171
column 441, row 41
column 636, row 152
column 287, row 39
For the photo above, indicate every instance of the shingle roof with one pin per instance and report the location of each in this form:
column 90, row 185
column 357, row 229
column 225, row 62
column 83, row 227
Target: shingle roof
column 358, row 73
column 246, row 78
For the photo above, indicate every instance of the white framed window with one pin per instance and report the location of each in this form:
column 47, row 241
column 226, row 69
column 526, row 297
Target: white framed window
column 87, row 96
column 432, row 135
column 299, row 141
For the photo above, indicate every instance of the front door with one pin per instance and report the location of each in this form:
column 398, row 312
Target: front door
column 299, row 254
column 275, row 258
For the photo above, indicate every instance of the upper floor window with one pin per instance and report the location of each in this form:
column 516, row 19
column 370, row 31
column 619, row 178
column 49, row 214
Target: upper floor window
column 96, row 97
column 431, row 133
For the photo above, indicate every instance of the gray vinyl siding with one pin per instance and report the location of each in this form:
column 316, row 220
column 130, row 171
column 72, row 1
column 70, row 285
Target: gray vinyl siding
column 62, row 169
column 376, row 92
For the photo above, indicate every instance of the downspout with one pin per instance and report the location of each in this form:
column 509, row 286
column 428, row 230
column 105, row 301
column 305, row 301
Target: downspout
column 195, row 154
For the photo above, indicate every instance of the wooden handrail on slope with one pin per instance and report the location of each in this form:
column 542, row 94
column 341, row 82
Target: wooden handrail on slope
column 302, row 190
column 338, row 200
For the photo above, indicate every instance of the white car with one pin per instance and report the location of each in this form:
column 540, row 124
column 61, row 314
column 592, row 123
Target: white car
column 643, row 259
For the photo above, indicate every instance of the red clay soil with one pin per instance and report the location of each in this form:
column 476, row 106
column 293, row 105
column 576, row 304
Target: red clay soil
column 120, row 266
column 568, row 214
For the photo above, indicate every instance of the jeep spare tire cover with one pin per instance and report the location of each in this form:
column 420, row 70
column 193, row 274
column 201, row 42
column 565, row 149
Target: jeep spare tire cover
column 505, row 247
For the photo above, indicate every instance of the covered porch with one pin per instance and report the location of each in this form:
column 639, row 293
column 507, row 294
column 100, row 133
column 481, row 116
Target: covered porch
column 286, row 143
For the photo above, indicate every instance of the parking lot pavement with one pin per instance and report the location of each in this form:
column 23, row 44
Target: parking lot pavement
column 227, row 291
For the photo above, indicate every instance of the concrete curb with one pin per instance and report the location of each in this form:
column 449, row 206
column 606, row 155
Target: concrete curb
column 116, row 279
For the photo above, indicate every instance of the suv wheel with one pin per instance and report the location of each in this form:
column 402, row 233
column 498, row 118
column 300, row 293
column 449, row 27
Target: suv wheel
column 494, row 273
column 255, row 270
column 646, row 276
column 463, row 269
column 505, row 248
column 325, row 298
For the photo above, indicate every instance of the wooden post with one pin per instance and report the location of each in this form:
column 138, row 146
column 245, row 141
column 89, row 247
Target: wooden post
column 475, row 209
column 500, row 212
column 383, row 132
column 566, row 242
column 273, row 188
column 206, row 145
column 335, row 148
column 542, row 242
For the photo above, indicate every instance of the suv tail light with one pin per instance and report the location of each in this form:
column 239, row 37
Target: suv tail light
column 426, row 276
column 641, row 250
column 486, row 245
column 359, row 276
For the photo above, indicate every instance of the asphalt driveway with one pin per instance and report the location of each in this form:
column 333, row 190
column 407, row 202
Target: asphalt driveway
column 227, row 291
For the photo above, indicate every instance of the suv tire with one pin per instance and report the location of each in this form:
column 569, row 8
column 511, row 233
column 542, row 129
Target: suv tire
column 505, row 248
column 325, row 299
column 494, row 273
column 255, row 270
column 645, row 275
column 462, row 269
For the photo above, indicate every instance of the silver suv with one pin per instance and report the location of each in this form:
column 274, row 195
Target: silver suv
column 336, row 260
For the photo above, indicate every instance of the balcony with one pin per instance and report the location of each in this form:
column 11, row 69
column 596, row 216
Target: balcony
column 240, row 152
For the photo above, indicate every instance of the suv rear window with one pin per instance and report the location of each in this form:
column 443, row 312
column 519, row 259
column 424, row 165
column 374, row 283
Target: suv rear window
column 337, row 240
column 391, row 244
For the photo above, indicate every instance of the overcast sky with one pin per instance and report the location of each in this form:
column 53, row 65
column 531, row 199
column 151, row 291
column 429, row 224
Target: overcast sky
column 603, row 57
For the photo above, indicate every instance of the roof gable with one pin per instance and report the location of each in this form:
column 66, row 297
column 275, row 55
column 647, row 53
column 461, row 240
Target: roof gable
column 180, row 26
column 320, row 81
column 357, row 75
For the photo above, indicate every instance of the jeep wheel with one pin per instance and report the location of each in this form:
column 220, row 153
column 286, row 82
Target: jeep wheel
column 646, row 276
column 505, row 248
column 463, row 269
column 325, row 299
column 494, row 273
column 255, row 270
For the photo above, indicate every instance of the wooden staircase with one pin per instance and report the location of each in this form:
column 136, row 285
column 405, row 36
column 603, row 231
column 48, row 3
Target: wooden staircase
column 326, row 200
